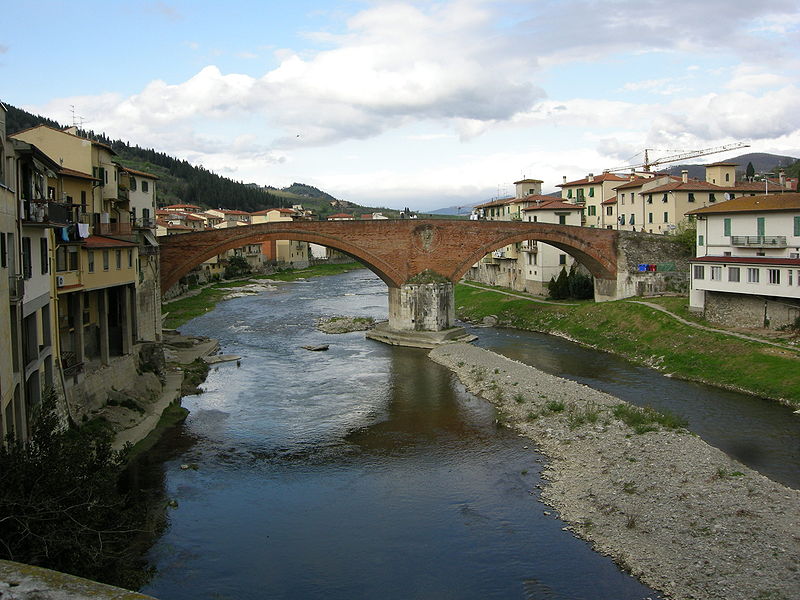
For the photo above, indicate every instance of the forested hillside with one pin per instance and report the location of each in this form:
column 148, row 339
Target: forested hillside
column 182, row 182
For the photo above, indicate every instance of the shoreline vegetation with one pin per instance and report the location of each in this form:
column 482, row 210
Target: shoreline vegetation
column 670, row 509
column 651, row 338
column 195, row 303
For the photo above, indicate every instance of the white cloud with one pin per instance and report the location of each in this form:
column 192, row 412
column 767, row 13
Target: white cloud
column 752, row 78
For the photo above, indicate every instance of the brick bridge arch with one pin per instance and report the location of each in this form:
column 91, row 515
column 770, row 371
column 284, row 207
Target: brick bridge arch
column 396, row 250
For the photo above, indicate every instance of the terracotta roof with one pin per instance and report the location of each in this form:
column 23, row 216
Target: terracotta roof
column 194, row 218
column 597, row 179
column 99, row 241
column 366, row 216
column 528, row 181
column 498, row 202
column 771, row 202
column 758, row 186
column 751, row 260
column 233, row 212
column 179, row 227
column 693, row 185
column 639, row 181
column 340, row 216
column 183, row 206
column 612, row 200
column 142, row 174
column 552, row 204
column 77, row 174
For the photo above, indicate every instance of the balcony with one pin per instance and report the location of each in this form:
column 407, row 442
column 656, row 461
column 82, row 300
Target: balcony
column 526, row 247
column 113, row 229
column 47, row 214
column 144, row 223
column 148, row 250
column 758, row 241
column 499, row 254
column 16, row 288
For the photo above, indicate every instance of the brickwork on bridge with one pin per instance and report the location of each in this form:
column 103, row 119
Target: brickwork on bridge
column 396, row 250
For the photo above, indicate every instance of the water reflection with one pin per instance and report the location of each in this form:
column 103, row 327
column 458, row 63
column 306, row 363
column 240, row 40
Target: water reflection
column 365, row 471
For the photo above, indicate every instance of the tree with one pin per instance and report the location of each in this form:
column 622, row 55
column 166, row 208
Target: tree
column 581, row 286
column 60, row 505
column 559, row 287
column 750, row 172
column 237, row 267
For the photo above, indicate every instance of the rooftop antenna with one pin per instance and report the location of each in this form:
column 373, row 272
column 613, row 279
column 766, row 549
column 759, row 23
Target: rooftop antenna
column 77, row 120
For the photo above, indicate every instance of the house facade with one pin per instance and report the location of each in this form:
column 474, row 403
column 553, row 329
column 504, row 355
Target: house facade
column 747, row 268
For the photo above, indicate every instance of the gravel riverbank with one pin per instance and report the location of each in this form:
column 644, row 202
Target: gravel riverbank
column 677, row 513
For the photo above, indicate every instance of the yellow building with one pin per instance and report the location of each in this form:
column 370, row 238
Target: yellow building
column 591, row 192
column 284, row 252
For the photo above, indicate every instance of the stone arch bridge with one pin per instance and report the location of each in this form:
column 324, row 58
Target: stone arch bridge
column 399, row 251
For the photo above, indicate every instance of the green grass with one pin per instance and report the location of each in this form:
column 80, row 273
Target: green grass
column 649, row 337
column 642, row 420
column 183, row 310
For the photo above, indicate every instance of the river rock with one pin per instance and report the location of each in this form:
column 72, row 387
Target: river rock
column 345, row 324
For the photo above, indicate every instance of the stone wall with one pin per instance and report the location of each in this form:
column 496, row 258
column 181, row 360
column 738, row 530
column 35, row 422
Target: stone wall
column 503, row 274
column 742, row 310
column 670, row 257
column 421, row 307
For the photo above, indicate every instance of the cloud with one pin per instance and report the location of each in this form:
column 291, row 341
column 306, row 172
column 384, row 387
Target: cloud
column 753, row 78
column 666, row 86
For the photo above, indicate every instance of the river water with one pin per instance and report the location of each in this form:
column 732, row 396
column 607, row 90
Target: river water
column 366, row 471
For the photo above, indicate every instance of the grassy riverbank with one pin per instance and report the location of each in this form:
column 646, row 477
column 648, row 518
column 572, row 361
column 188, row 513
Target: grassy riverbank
column 188, row 307
column 649, row 337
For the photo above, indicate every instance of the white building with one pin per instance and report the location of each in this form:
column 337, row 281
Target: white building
column 747, row 269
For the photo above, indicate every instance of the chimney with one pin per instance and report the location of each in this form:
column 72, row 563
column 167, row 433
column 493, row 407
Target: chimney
column 564, row 178
column 591, row 176
column 633, row 175
column 685, row 176
column 782, row 178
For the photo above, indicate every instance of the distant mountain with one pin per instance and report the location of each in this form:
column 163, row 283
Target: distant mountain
column 465, row 209
column 763, row 162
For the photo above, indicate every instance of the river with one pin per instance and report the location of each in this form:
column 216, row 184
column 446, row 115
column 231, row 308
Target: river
column 361, row 472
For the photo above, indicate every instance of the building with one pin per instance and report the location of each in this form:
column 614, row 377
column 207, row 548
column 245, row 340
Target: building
column 747, row 268
column 529, row 265
column 591, row 192
column 284, row 253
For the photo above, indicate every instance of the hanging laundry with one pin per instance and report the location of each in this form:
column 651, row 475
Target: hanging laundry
column 83, row 230
column 65, row 234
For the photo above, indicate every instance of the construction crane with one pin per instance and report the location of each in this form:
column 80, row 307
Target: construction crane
column 647, row 164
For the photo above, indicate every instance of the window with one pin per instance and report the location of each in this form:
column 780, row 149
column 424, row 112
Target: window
column 664, row 197
column 716, row 273
column 727, row 176
column 3, row 255
column 609, row 210
column 760, row 226
column 727, row 227
column 712, row 197
column 649, row 198
column 130, row 258
column 562, row 219
column 733, row 274
column 789, row 277
column 649, row 217
column 797, row 225
column 700, row 240
column 44, row 260
column 752, row 275
column 132, row 183
column 666, row 217
column 622, row 219
column 774, row 276
column 580, row 194
column 699, row 272
column 622, row 199
column 569, row 193
column 26, row 258
column 591, row 192
column 90, row 260
column 592, row 211
column 145, row 186
column 691, row 196
column 562, row 259
column 105, row 260
column 632, row 220
column 118, row 253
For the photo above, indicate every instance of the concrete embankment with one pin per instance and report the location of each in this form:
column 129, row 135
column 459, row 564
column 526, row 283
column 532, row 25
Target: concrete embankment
column 677, row 513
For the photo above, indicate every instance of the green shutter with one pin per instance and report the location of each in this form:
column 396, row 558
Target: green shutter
column 797, row 225
column 699, row 240
column 727, row 228
column 760, row 226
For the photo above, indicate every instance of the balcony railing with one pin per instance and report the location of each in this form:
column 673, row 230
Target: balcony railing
column 48, row 213
column 16, row 288
column 759, row 241
column 144, row 223
column 112, row 228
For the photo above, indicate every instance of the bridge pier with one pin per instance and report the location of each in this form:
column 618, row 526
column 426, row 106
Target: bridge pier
column 421, row 315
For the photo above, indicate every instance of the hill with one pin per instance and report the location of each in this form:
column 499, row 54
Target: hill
column 763, row 162
column 182, row 182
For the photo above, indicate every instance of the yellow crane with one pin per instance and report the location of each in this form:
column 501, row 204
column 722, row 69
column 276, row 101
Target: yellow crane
column 647, row 164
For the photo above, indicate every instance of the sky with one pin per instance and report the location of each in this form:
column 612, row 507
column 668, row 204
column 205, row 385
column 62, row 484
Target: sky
column 422, row 104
